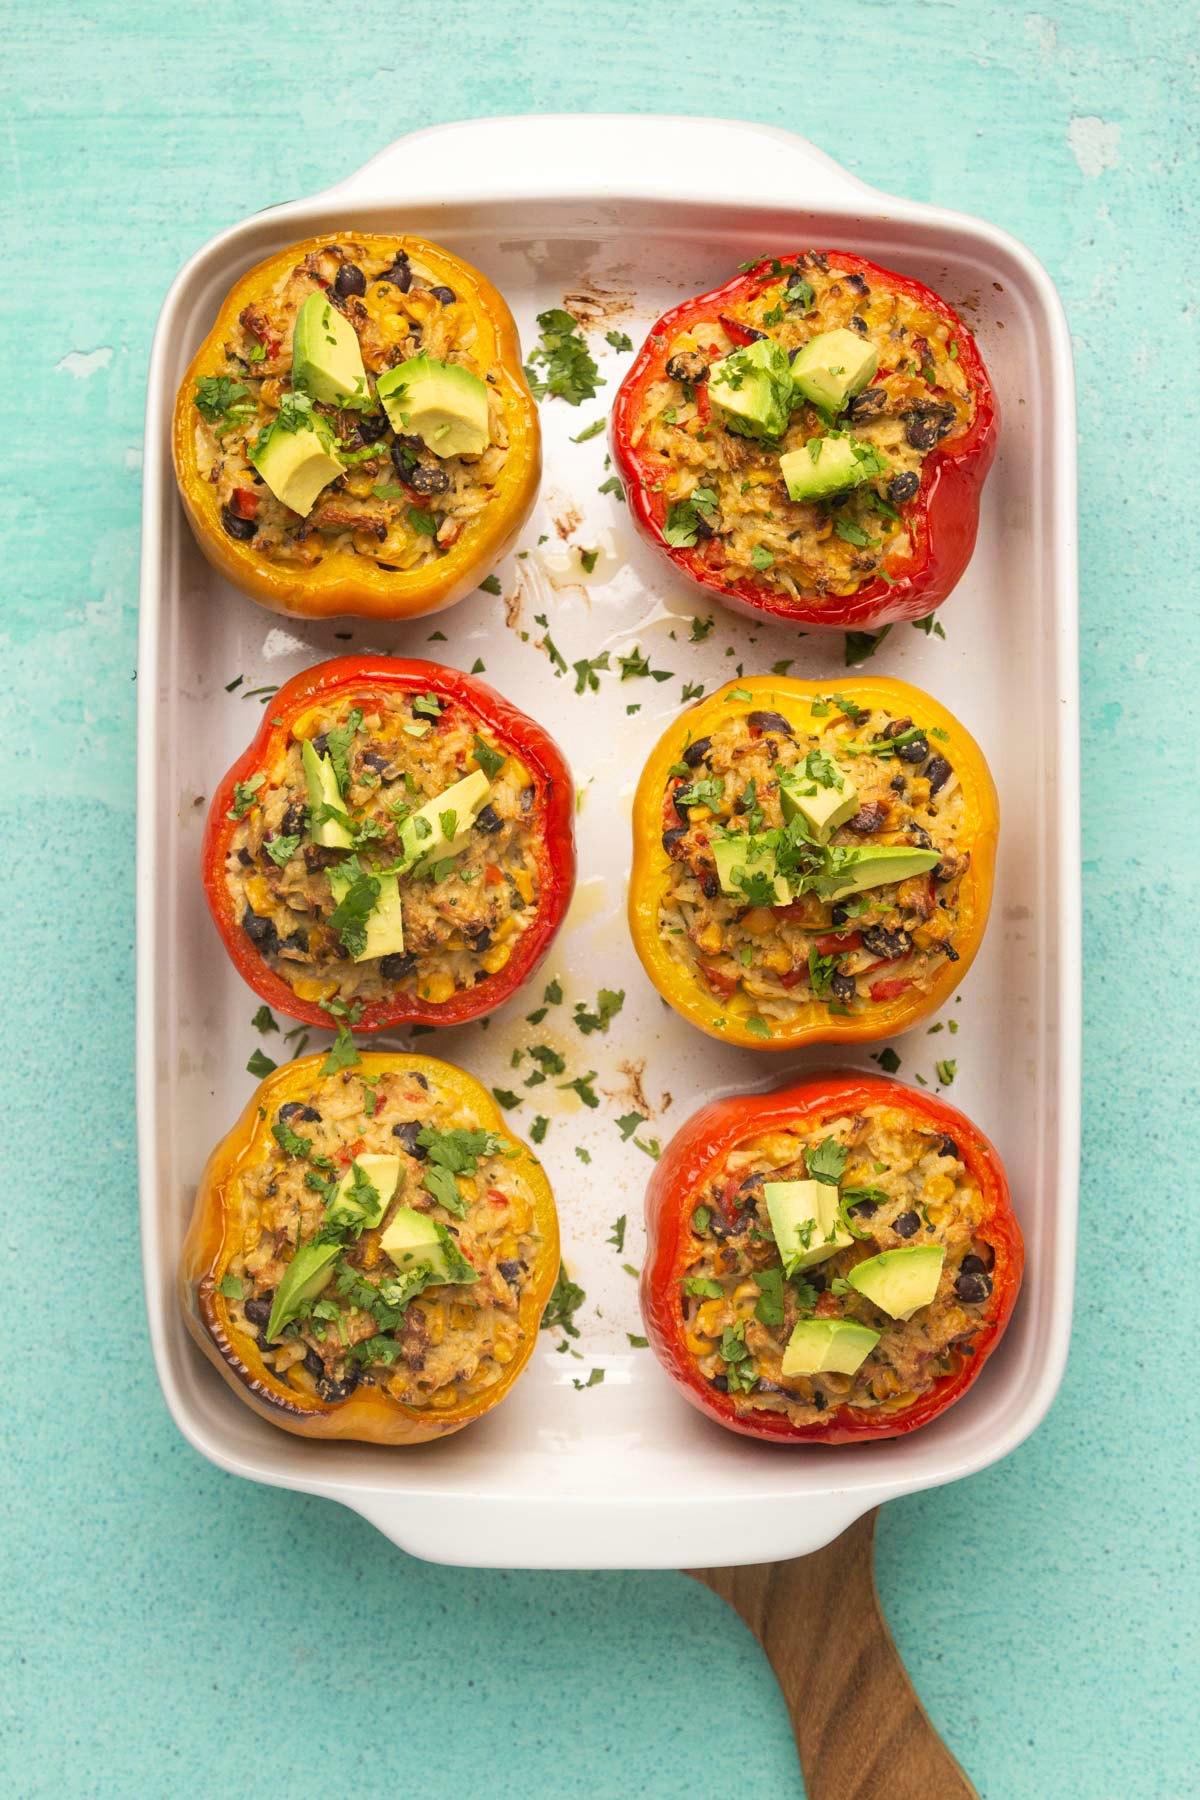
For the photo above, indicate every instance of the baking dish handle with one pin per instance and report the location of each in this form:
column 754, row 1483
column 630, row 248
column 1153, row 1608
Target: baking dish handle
column 555, row 156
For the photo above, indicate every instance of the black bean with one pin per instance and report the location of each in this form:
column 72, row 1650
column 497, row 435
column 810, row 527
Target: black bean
column 511, row 1271
column 314, row 1364
column 260, row 931
column 398, row 964
column 245, row 858
column 695, row 753
column 872, row 400
column 920, row 837
column 403, row 459
column 320, row 856
column 488, row 819
column 870, row 817
column 400, row 273
column 374, row 760
column 906, row 1224
column 902, row 487
column 445, row 295
column 890, row 945
column 763, row 1386
column 718, row 1224
column 815, row 1279
column 937, row 774
column 721, row 1383
column 973, row 1282
column 864, row 1209
column 296, row 1109
column 528, row 796
column 429, row 478
column 339, row 1389
column 769, row 721
column 819, row 1401
column 241, row 529
column 947, row 1147
column 672, row 837
column 896, row 727
column 859, row 325
column 687, row 365
column 321, row 743
column 703, row 528
column 408, row 1133
column 915, row 752
column 928, row 424
column 349, row 280
column 480, row 936
column 258, row 1311
column 296, row 940
column 898, row 783
column 371, row 426
column 843, row 987
column 710, row 883
column 295, row 819
column 856, row 282
column 422, row 1081
column 752, row 333
column 839, row 916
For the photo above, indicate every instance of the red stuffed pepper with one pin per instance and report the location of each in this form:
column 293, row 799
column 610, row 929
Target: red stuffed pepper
column 395, row 846
column 810, row 441
column 829, row 1263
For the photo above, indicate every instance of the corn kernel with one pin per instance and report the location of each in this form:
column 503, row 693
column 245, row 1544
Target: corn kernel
column 505, row 929
column 435, row 1320
column 503, row 1352
column 711, row 938
column 698, row 814
column 507, row 1248
column 940, row 1188
column 699, row 1346
column 709, row 1316
column 757, row 921
column 495, row 959
column 461, row 1317
column 524, row 881
column 438, row 988
column 304, row 989
column 258, row 894
column 444, row 1398
column 778, row 961
column 521, row 1214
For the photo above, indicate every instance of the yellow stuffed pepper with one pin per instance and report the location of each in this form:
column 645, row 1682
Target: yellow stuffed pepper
column 371, row 1251
column 812, row 863
column 355, row 433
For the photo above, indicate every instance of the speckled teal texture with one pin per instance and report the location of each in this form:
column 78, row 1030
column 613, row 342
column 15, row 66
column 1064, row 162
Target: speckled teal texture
column 168, row 1630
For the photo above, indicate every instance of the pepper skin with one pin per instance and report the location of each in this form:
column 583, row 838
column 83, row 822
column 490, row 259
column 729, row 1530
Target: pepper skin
column 671, row 1199
column 552, row 821
column 888, row 1016
column 369, row 1414
column 942, row 518
column 343, row 582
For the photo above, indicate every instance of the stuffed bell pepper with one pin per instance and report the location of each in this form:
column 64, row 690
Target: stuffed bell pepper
column 811, row 865
column 397, row 844
column 810, row 441
column 371, row 1251
column 356, row 434
column 829, row 1263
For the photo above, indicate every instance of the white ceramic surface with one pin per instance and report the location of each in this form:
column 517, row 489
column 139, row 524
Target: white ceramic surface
column 631, row 214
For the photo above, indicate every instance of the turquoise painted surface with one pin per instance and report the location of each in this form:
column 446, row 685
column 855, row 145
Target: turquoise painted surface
column 161, row 1619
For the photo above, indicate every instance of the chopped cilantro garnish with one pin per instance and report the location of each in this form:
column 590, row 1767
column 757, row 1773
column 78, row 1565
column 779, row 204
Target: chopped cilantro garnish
column 264, row 1020
column 586, row 672
column 618, row 1234
column 618, row 340
column 582, row 1085
column 570, row 370
column 564, row 1302
column 539, row 1128
column 491, row 585
column 862, row 644
column 608, row 1005
column 244, row 796
column 590, row 431
column 826, row 1160
column 260, row 1064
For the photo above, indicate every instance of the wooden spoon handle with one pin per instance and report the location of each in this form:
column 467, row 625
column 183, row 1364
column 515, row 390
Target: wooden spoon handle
column 860, row 1729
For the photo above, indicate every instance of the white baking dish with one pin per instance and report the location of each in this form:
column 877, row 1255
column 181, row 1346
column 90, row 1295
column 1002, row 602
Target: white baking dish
column 633, row 214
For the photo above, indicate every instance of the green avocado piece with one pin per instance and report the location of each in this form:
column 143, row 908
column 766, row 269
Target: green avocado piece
column 309, row 1271
column 833, row 367
column 822, row 808
column 829, row 465
column 362, row 1195
column 295, row 465
column 385, row 921
column 327, row 359
column 900, row 1282
column 746, row 861
column 754, row 384
column 443, row 404
column 423, row 834
column 827, row 1347
column 805, row 1222
column 415, row 1242
column 323, row 791
column 859, row 867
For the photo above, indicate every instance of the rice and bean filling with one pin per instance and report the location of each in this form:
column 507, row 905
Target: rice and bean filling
column 899, row 1183
column 850, row 954
column 463, row 914
column 723, row 487
column 397, row 504
column 425, row 1342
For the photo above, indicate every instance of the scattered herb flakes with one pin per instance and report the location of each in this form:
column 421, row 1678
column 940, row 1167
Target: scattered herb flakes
column 628, row 1123
column 585, row 1156
column 608, row 1005
column 929, row 625
column 630, row 1270
column 582, row 1085
column 887, row 1059
column 651, row 1146
column 564, row 1302
column 614, row 486
column 491, row 585
column 618, row 1234
column 264, row 1020
column 590, row 431
column 436, row 637
column 422, row 522
column 282, row 849
column 260, row 1064
column 506, row 1098
column 586, row 672
column 781, row 668
column 761, row 557
column 826, row 1161
column 952, row 1026
column 619, row 340
column 692, row 690
column 244, row 793
column 701, row 629
column 757, row 1026
column 946, row 1070
column 862, row 644
column 490, row 760
column 539, row 1128
column 478, row 666
column 232, row 1287
column 570, row 370
column 593, row 1380
column 588, row 559
column 636, row 1342
column 235, row 683
column 343, row 1053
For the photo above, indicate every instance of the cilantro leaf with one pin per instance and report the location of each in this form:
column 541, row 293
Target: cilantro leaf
column 570, row 370
column 343, row 1053
column 608, row 1005
column 826, row 1160
column 564, row 1302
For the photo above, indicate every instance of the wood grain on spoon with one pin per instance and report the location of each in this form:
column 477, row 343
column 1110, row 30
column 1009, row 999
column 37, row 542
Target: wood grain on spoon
column 861, row 1731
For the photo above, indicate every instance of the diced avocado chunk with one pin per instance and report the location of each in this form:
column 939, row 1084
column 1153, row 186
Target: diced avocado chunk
column 804, row 1219
column 442, row 827
column 858, row 867
column 833, row 367
column 827, row 1347
column 327, row 360
column 323, row 791
column 295, row 464
column 418, row 1244
column 362, row 1195
column 385, row 921
column 443, row 404
column 309, row 1271
column 754, row 384
column 829, row 465
column 822, row 804
column 900, row 1282
column 746, row 867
